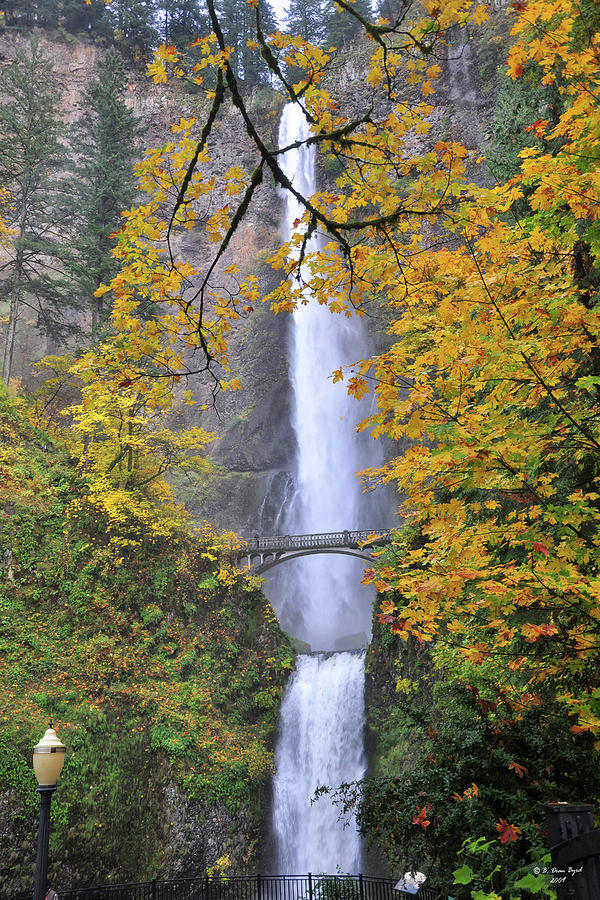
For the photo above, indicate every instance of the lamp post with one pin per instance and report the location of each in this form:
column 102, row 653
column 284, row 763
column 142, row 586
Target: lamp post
column 48, row 759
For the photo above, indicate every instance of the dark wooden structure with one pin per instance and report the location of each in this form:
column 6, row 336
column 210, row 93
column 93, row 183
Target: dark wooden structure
column 575, row 849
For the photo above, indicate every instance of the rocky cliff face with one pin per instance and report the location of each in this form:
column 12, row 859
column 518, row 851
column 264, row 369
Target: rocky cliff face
column 253, row 446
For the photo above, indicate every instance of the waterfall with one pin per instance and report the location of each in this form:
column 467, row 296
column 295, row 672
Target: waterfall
column 321, row 740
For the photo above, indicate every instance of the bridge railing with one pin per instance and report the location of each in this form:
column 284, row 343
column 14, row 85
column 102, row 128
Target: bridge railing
column 315, row 541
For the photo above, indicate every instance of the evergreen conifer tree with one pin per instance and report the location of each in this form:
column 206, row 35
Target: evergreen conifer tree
column 306, row 18
column 518, row 104
column 183, row 20
column 85, row 17
column 238, row 22
column 134, row 24
column 104, row 143
column 30, row 156
column 30, row 13
column 391, row 9
column 340, row 26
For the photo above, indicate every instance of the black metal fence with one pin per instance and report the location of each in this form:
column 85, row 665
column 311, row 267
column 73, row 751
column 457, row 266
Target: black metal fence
column 251, row 887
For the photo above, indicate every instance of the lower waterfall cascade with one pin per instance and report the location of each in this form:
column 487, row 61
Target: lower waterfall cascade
column 322, row 602
column 324, row 698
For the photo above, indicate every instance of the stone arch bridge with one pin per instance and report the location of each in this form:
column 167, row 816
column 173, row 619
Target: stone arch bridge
column 262, row 553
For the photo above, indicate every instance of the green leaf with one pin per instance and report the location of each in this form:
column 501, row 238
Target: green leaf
column 477, row 845
column 533, row 883
column 588, row 381
column 464, row 875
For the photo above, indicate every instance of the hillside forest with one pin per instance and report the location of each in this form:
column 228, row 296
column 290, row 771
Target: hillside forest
column 123, row 616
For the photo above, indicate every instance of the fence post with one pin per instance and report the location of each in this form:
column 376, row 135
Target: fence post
column 258, row 887
column 361, row 888
column 206, row 886
column 310, row 887
column 153, row 889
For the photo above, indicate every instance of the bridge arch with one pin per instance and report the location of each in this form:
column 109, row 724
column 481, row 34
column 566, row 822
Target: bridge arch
column 263, row 565
column 262, row 554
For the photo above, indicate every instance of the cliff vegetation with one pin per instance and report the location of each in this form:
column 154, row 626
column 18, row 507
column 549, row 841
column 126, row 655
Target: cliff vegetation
column 161, row 667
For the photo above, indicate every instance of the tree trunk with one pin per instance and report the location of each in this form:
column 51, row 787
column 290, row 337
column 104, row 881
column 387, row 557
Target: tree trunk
column 13, row 315
column 97, row 313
